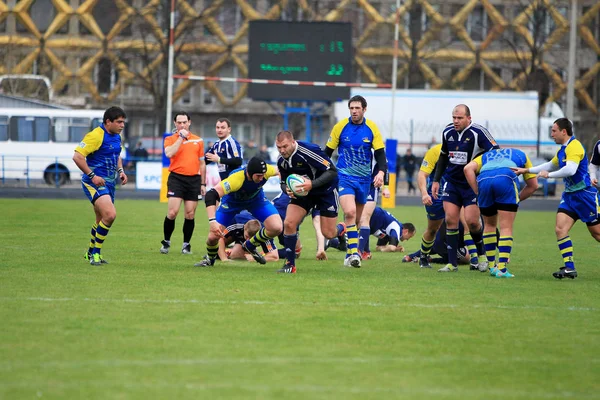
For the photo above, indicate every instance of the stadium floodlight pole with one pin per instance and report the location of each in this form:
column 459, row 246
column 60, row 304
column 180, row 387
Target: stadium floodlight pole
column 170, row 66
column 571, row 68
column 395, row 66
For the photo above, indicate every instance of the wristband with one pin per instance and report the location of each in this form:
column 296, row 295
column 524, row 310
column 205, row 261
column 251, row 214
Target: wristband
column 203, row 184
column 212, row 219
column 91, row 175
column 120, row 171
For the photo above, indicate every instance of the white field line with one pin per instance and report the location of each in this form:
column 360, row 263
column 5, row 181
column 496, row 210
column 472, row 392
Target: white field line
column 429, row 391
column 279, row 361
column 293, row 303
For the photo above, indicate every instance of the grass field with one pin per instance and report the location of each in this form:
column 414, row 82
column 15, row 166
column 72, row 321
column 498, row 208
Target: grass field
column 153, row 326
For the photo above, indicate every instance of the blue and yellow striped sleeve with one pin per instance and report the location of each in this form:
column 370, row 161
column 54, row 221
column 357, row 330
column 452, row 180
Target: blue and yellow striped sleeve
column 271, row 171
column 575, row 151
column 336, row 132
column 528, row 164
column 431, row 158
column 91, row 142
column 234, row 182
column 377, row 142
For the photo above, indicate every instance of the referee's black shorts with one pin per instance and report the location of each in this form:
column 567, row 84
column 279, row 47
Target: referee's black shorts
column 183, row 186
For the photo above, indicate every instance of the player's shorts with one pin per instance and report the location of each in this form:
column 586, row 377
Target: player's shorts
column 459, row 194
column 582, row 204
column 260, row 208
column 93, row 192
column 435, row 211
column 359, row 189
column 499, row 192
column 373, row 193
column 326, row 203
column 184, row 187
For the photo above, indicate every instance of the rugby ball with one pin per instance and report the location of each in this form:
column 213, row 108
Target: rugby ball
column 293, row 181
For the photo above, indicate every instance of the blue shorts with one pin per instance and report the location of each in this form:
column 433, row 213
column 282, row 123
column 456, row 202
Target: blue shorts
column 435, row 211
column 326, row 203
column 582, row 205
column 260, row 208
column 360, row 190
column 500, row 192
column 92, row 192
column 373, row 193
column 460, row 194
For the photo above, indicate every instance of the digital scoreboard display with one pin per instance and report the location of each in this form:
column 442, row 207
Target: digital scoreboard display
column 299, row 51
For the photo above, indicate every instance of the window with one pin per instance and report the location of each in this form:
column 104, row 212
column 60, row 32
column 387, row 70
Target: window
column 477, row 24
column 147, row 128
column 70, row 129
column 106, row 76
column 3, row 128
column 270, row 131
column 106, row 13
column 30, row 129
column 243, row 132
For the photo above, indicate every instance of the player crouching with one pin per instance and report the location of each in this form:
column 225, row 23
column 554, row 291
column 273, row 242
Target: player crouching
column 245, row 227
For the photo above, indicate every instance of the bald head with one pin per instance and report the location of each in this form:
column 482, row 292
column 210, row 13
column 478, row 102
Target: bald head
column 461, row 117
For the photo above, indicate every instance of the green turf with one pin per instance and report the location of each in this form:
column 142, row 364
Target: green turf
column 152, row 326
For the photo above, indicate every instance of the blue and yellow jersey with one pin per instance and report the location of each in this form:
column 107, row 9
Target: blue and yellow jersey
column 428, row 164
column 101, row 150
column 355, row 143
column 574, row 151
column 239, row 189
column 500, row 161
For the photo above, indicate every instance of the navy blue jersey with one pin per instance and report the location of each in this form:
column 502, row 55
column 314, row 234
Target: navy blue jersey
column 380, row 220
column 462, row 147
column 236, row 231
column 596, row 154
column 307, row 160
column 226, row 148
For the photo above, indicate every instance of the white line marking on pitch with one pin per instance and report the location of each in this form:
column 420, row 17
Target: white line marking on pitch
column 291, row 303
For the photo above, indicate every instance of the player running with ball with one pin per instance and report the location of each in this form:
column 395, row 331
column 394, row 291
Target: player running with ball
column 320, row 186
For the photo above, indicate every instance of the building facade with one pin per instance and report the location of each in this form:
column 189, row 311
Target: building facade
column 98, row 53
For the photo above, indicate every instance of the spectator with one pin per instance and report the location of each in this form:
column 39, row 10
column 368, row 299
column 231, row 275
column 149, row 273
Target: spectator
column 140, row 153
column 250, row 150
column 409, row 164
column 264, row 153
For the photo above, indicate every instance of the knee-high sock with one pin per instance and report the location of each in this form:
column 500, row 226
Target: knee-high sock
column 352, row 240
column 290, row 248
column 188, row 229
column 566, row 250
column 478, row 239
column 212, row 250
column 471, row 247
column 101, row 232
column 489, row 243
column 452, row 242
column 168, row 228
column 93, row 238
column 426, row 246
column 504, row 248
column 258, row 239
column 363, row 238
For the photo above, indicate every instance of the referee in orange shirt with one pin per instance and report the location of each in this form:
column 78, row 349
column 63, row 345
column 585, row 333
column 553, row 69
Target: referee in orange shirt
column 187, row 180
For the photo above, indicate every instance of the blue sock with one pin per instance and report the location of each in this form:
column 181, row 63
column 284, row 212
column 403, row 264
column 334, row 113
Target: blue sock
column 363, row 238
column 289, row 241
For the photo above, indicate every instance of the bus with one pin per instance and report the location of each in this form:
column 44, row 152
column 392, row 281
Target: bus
column 37, row 144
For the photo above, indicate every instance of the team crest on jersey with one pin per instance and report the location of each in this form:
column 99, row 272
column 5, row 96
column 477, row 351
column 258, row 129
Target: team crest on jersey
column 451, row 139
column 366, row 140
